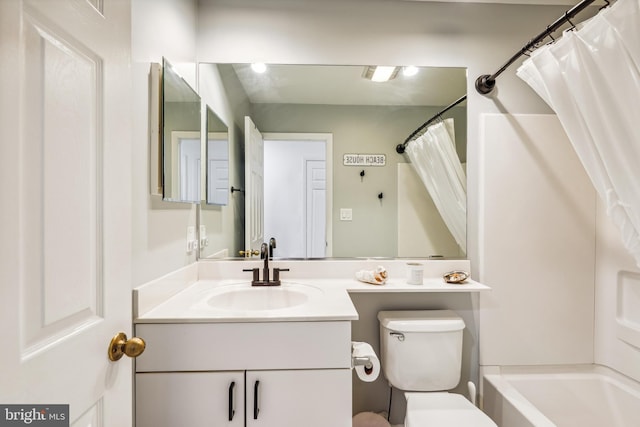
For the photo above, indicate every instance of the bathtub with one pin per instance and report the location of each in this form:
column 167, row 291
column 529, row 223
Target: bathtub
column 575, row 396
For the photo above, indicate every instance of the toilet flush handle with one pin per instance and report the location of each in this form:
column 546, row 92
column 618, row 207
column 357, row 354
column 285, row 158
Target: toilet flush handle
column 398, row 335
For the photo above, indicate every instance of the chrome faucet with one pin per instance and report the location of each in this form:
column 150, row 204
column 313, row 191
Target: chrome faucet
column 266, row 280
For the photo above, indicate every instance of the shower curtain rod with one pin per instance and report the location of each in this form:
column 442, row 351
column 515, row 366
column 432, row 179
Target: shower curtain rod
column 486, row 83
column 400, row 147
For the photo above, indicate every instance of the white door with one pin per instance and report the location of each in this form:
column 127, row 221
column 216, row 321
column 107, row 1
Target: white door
column 315, row 206
column 190, row 169
column 217, row 169
column 65, row 217
column 254, row 185
column 292, row 216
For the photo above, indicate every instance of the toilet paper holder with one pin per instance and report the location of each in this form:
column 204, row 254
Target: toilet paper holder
column 362, row 361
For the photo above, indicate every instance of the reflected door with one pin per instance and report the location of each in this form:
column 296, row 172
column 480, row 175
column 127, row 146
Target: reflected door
column 254, row 185
column 316, row 196
column 65, row 160
column 190, row 169
column 217, row 171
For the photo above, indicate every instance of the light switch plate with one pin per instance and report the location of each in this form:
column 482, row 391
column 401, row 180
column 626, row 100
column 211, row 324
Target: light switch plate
column 346, row 214
column 191, row 239
column 202, row 235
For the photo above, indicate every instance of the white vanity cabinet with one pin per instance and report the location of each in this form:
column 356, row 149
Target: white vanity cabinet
column 309, row 397
column 193, row 399
column 273, row 373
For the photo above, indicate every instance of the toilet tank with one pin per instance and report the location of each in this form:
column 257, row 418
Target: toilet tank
column 421, row 350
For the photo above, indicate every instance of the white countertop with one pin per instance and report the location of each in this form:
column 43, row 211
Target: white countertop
column 189, row 306
column 181, row 297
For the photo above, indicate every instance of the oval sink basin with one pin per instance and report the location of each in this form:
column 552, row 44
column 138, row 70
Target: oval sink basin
column 260, row 298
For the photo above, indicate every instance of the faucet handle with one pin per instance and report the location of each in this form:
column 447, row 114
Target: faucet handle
column 276, row 273
column 256, row 274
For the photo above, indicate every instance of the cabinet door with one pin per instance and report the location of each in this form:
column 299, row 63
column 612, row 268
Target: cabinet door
column 309, row 398
column 189, row 399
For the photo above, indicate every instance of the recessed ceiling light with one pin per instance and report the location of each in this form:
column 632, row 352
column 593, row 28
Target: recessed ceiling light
column 259, row 67
column 409, row 70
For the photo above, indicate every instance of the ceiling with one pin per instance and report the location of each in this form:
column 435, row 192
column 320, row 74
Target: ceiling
column 523, row 2
column 344, row 85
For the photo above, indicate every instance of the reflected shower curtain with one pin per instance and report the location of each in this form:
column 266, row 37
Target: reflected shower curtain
column 433, row 156
column 591, row 79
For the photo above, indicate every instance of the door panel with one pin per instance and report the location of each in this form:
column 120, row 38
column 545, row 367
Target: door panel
column 65, row 255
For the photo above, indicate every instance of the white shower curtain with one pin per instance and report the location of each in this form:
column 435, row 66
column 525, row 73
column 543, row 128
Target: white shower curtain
column 433, row 156
column 591, row 79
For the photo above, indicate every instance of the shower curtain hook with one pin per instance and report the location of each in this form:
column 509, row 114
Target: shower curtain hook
column 550, row 33
column 566, row 16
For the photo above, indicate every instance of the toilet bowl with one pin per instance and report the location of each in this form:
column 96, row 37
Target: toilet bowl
column 421, row 354
column 427, row 409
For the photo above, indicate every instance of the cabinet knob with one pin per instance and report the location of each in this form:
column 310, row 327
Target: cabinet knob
column 120, row 346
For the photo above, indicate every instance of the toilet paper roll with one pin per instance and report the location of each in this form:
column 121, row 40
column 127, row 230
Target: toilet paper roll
column 363, row 349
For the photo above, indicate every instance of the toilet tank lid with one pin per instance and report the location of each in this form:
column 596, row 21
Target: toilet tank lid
column 421, row 320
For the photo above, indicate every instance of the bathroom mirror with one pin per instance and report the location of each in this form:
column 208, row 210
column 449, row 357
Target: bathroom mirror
column 181, row 133
column 373, row 210
column 217, row 167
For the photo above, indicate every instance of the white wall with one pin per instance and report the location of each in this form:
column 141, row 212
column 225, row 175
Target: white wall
column 538, row 247
column 224, row 227
column 159, row 28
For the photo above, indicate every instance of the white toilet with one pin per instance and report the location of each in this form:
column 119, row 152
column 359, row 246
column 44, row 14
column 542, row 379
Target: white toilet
column 421, row 354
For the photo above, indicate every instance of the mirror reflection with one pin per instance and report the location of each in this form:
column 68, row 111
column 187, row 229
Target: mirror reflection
column 181, row 128
column 307, row 119
column 217, row 167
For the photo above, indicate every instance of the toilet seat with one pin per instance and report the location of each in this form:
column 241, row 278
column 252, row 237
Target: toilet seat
column 443, row 410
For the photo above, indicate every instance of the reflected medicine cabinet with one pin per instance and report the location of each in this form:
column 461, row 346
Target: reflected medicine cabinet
column 175, row 136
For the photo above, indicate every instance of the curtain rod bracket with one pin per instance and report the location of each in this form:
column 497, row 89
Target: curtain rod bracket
column 485, row 84
column 400, row 148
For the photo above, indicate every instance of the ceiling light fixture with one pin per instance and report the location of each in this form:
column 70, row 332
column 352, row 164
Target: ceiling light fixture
column 380, row 73
column 409, row 71
column 259, row 67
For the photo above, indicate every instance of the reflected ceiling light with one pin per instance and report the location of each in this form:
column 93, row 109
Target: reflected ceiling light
column 380, row 73
column 409, row 70
column 259, row 67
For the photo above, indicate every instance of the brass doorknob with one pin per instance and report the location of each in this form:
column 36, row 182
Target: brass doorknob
column 120, row 346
